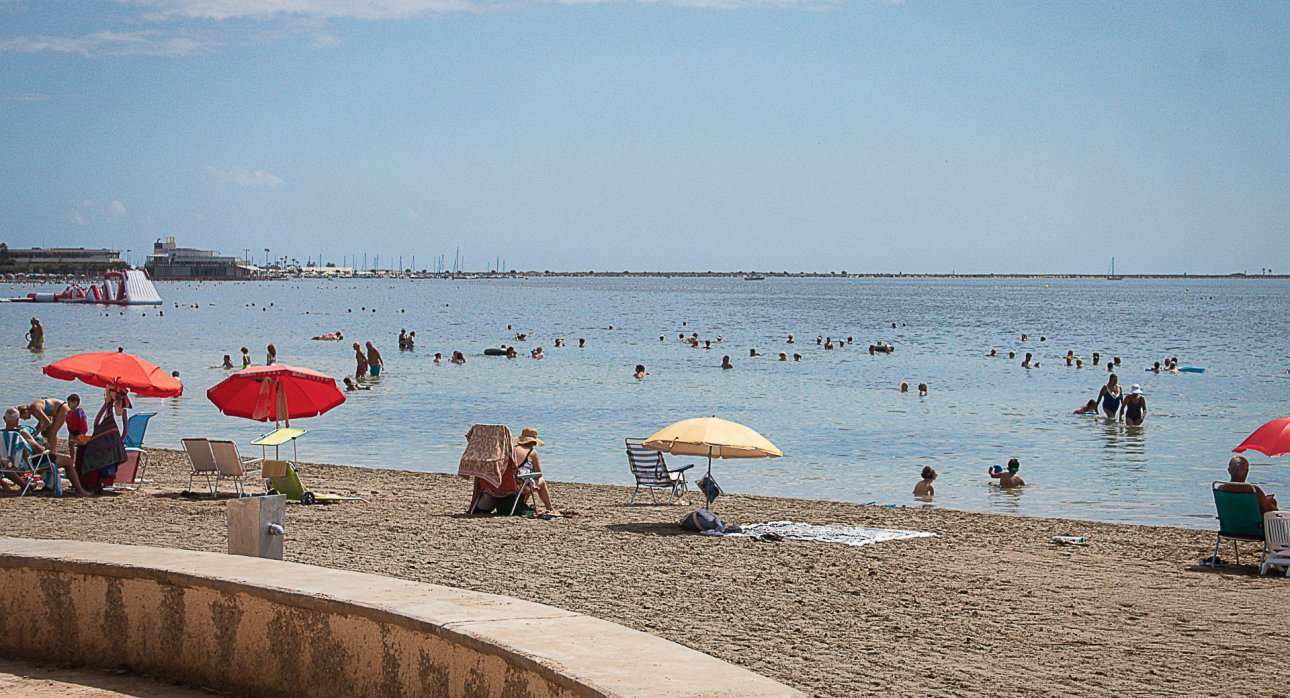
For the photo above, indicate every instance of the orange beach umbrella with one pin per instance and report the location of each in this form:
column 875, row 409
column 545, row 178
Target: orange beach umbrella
column 105, row 368
column 276, row 393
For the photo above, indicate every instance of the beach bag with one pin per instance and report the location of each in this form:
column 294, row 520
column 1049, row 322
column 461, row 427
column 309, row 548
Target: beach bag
column 702, row 520
column 710, row 489
column 105, row 448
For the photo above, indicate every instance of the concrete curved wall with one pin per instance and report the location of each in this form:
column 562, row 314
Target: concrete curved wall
column 260, row 627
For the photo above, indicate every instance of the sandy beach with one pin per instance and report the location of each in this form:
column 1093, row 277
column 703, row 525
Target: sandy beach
column 987, row 607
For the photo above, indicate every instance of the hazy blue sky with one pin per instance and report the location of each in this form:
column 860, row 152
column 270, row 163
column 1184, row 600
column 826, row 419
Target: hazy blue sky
column 669, row 134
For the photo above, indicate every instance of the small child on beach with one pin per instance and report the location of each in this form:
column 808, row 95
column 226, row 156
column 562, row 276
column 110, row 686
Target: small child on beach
column 924, row 487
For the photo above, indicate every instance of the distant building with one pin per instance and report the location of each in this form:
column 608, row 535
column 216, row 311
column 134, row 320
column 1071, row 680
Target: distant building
column 170, row 262
column 58, row 260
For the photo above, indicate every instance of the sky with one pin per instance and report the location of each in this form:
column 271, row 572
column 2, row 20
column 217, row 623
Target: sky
column 799, row 135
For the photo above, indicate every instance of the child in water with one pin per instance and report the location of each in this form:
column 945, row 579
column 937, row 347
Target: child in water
column 1009, row 477
column 924, row 487
column 1089, row 407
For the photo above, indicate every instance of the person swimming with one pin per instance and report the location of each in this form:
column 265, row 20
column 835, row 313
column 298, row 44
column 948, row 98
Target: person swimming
column 1089, row 407
column 640, row 372
column 783, row 356
column 350, row 385
column 922, row 390
column 725, row 362
column 904, row 387
column 337, row 336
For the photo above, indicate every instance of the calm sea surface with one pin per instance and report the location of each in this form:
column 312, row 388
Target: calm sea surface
column 847, row 432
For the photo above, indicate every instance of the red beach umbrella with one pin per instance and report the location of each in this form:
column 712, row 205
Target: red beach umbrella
column 275, row 393
column 117, row 367
column 1271, row 439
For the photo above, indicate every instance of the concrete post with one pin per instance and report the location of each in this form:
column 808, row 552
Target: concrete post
column 255, row 526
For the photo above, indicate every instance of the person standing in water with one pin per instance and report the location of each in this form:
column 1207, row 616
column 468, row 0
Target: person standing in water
column 360, row 361
column 1134, row 407
column 374, row 361
column 246, row 357
column 36, row 336
column 271, row 357
column 1110, row 396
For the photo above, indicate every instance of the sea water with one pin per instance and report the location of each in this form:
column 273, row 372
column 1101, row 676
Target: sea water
column 846, row 431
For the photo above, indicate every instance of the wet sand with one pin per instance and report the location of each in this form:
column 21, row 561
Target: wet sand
column 987, row 607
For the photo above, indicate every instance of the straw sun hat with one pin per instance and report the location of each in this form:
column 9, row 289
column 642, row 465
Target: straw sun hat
column 529, row 437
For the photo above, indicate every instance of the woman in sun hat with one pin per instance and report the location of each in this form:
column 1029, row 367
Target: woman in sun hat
column 526, row 460
column 1134, row 407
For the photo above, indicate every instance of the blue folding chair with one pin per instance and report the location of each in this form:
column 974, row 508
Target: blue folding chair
column 24, row 468
column 136, row 428
column 136, row 459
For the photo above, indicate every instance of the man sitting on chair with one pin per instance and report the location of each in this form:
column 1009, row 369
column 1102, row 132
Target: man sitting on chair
column 1238, row 469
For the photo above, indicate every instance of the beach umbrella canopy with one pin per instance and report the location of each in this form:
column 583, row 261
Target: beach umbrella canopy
column 106, row 368
column 714, row 438
column 1271, row 439
column 275, row 393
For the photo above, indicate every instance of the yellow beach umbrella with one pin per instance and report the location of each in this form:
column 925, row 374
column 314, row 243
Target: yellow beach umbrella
column 714, row 438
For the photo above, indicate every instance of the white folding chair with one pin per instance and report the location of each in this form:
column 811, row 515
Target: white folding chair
column 1276, row 531
column 202, row 459
column 229, row 466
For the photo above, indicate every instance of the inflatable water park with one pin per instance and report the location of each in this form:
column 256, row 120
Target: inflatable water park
column 130, row 287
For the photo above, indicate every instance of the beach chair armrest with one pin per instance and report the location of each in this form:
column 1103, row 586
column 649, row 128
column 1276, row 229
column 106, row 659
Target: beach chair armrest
column 524, row 477
column 682, row 468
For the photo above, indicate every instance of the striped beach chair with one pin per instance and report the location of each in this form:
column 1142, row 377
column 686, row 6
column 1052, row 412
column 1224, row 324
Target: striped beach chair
column 650, row 471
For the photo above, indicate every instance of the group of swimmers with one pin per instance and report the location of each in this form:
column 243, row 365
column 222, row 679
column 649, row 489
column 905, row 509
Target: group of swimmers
column 1007, row 478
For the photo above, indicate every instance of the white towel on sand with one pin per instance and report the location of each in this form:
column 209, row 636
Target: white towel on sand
column 847, row 535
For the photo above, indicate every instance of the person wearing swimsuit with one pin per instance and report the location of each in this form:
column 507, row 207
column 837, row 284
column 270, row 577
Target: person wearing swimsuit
column 526, row 458
column 1134, row 408
column 1110, row 396
column 360, row 371
column 50, row 415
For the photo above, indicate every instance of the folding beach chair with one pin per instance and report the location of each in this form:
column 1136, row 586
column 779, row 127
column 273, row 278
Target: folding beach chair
column 1276, row 531
column 281, row 478
column 202, row 459
column 1239, row 519
column 19, row 465
column 135, row 428
column 229, row 466
column 650, row 471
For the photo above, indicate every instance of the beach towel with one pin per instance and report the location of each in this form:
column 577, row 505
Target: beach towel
column 488, row 453
column 847, row 535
